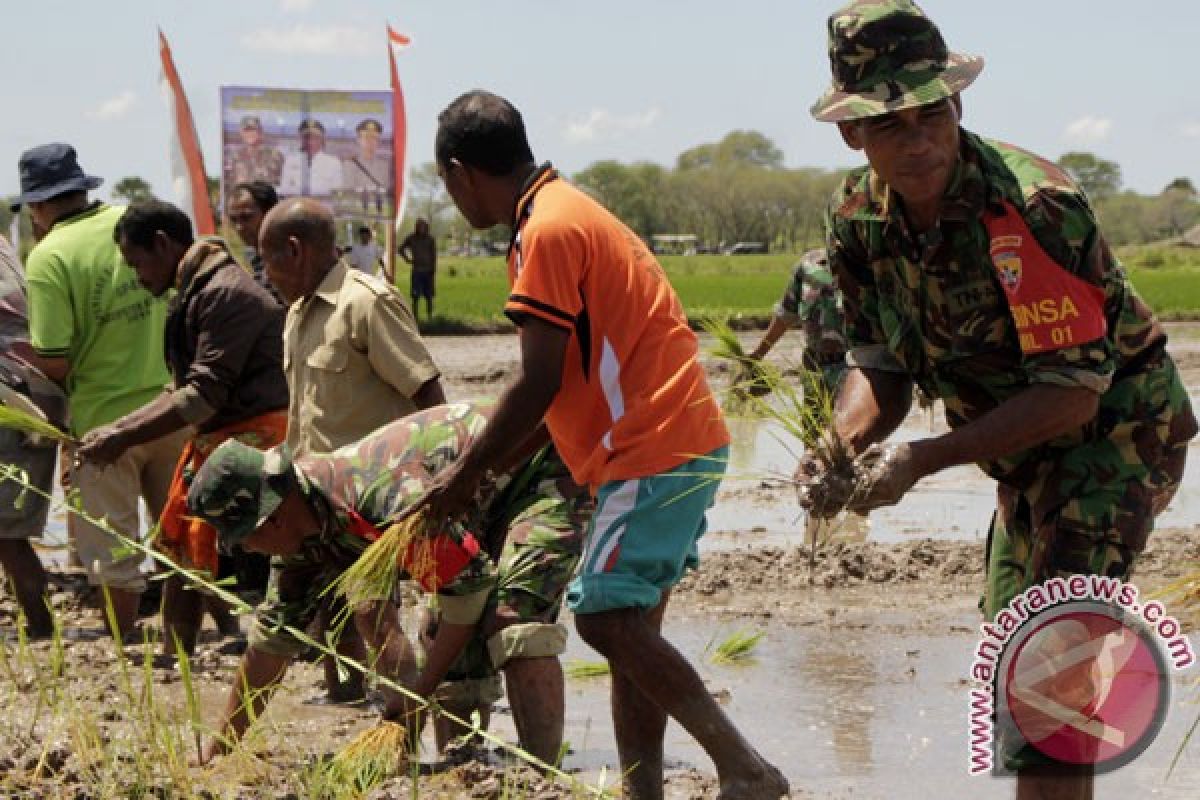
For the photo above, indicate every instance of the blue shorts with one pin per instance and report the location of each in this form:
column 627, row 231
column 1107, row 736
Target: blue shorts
column 643, row 536
column 422, row 284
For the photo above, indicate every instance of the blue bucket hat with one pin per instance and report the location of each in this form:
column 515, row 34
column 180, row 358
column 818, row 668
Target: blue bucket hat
column 49, row 170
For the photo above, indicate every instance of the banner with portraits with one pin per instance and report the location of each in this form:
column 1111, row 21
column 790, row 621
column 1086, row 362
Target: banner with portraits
column 332, row 145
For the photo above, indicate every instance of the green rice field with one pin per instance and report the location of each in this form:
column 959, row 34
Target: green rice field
column 744, row 289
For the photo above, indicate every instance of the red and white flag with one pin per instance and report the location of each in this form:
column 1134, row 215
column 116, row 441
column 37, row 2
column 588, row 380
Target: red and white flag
column 188, row 177
column 396, row 43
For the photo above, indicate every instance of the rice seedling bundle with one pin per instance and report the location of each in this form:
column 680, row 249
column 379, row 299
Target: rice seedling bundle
column 738, row 648
column 431, row 559
column 371, row 758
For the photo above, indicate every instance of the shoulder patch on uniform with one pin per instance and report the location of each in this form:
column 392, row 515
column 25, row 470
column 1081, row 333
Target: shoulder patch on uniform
column 374, row 283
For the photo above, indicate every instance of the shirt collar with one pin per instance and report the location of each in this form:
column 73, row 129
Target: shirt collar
column 71, row 216
column 203, row 258
column 331, row 285
column 536, row 180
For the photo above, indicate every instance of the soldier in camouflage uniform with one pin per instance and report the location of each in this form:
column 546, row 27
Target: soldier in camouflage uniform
column 976, row 270
column 812, row 300
column 532, row 521
column 254, row 161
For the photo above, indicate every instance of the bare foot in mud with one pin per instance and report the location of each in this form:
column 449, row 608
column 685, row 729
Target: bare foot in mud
column 770, row 785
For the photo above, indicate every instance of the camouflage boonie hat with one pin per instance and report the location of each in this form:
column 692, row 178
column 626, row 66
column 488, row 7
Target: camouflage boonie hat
column 239, row 487
column 887, row 55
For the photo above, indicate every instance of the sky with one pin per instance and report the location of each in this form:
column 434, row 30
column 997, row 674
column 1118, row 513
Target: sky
column 631, row 80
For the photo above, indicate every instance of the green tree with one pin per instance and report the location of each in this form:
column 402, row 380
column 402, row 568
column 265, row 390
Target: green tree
column 132, row 189
column 1184, row 185
column 737, row 149
column 1098, row 177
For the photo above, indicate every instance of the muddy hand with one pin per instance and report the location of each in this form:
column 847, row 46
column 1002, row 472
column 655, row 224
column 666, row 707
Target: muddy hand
column 820, row 492
column 886, row 473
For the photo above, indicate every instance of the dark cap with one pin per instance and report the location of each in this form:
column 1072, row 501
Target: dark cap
column 251, row 122
column 239, row 487
column 49, row 170
column 310, row 125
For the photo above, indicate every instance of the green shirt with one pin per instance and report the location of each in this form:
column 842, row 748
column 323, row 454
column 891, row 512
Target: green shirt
column 86, row 305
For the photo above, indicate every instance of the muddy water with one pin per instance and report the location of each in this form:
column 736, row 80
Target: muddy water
column 858, row 705
column 754, row 508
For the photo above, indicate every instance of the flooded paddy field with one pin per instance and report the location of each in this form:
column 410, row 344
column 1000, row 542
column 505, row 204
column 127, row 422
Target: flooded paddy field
column 858, row 688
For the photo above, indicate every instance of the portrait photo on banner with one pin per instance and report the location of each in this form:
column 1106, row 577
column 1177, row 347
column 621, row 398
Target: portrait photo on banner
column 330, row 144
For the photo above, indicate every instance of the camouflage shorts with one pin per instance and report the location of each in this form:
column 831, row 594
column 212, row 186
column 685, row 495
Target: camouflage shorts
column 1089, row 535
column 541, row 550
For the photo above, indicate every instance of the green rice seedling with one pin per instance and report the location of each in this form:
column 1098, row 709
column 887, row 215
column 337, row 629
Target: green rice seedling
column 373, row 576
column 803, row 410
column 15, row 419
column 586, row 670
column 737, row 648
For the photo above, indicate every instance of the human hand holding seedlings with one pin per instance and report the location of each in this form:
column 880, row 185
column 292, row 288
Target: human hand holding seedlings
column 886, row 472
column 879, row 476
column 103, row 445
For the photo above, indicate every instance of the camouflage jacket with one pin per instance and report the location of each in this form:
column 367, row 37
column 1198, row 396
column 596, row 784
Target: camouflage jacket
column 378, row 478
column 812, row 300
column 1014, row 287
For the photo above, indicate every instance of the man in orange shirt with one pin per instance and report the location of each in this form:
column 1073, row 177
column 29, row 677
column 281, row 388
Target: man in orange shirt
column 609, row 364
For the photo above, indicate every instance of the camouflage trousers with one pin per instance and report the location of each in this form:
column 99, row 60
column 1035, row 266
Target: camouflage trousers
column 542, row 546
column 1097, row 534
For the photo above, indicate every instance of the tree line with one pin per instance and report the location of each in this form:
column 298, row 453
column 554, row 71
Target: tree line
column 738, row 190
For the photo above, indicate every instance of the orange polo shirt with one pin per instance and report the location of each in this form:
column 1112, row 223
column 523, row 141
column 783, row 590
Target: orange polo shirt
column 634, row 401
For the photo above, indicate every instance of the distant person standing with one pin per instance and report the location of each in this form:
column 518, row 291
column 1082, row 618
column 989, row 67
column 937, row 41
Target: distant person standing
column 254, row 160
column 20, row 384
column 250, row 203
column 419, row 249
column 365, row 255
column 97, row 332
column 310, row 170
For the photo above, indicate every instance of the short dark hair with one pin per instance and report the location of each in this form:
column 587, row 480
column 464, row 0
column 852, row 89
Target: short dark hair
column 484, row 131
column 261, row 192
column 142, row 220
column 363, row 229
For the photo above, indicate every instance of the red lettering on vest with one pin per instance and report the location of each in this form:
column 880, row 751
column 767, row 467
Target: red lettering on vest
column 1051, row 308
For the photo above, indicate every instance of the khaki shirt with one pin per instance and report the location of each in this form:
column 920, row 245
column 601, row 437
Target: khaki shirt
column 353, row 360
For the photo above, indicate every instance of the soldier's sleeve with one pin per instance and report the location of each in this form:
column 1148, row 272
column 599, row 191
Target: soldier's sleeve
column 1065, row 227
column 788, row 308
column 866, row 341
